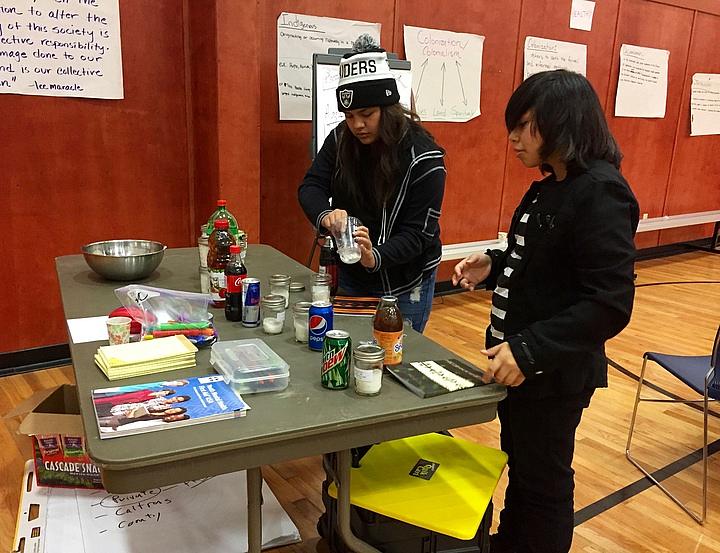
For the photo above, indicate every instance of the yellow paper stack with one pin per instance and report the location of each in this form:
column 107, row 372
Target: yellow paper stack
column 146, row 357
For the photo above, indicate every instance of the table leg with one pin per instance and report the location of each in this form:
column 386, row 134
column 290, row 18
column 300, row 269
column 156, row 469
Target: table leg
column 254, row 514
column 344, row 459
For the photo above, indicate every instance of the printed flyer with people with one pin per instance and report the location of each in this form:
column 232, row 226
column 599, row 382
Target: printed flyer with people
column 125, row 410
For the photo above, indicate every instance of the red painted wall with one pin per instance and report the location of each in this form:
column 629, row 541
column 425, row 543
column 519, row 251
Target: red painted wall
column 80, row 170
column 200, row 121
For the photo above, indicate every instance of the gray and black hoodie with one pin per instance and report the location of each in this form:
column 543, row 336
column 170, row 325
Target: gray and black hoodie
column 406, row 233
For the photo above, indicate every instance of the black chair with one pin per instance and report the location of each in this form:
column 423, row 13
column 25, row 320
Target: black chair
column 702, row 375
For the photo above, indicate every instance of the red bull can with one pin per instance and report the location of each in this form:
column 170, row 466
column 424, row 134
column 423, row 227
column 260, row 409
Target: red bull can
column 335, row 373
column 320, row 320
column 251, row 302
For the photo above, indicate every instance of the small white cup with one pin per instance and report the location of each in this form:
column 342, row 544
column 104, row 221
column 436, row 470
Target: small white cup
column 118, row 329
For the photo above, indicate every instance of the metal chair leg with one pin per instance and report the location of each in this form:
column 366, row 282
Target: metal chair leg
column 697, row 518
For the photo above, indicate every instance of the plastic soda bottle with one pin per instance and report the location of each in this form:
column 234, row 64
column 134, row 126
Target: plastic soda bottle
column 218, row 256
column 235, row 272
column 222, row 213
column 388, row 329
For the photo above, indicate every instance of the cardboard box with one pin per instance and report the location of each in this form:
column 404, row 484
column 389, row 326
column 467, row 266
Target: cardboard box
column 52, row 420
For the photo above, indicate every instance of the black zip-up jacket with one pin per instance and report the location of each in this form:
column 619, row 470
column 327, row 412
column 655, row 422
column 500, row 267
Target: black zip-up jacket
column 573, row 289
column 406, row 234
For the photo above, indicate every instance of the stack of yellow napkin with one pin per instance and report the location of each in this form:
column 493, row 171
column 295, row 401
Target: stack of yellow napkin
column 146, row 357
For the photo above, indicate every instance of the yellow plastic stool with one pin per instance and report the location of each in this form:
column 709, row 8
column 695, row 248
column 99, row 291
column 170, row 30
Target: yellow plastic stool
column 391, row 481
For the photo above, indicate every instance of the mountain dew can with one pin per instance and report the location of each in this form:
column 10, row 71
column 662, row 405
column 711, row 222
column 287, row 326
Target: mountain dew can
column 335, row 374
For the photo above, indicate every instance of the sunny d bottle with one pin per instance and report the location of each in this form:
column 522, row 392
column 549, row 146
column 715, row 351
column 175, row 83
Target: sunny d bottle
column 388, row 329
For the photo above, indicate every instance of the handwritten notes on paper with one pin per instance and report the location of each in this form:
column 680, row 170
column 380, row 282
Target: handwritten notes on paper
column 642, row 82
column 298, row 38
column 199, row 515
column 544, row 54
column 581, row 14
column 447, row 68
column 60, row 48
column 705, row 104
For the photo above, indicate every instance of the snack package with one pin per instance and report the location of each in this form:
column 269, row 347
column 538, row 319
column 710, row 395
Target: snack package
column 163, row 312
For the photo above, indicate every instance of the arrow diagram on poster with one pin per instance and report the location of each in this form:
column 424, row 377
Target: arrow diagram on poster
column 439, row 96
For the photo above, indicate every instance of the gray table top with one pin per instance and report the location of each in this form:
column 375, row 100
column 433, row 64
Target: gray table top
column 304, row 419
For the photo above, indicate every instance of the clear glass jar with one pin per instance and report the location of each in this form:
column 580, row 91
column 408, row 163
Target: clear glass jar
column 321, row 287
column 272, row 313
column 301, row 316
column 280, row 286
column 368, row 368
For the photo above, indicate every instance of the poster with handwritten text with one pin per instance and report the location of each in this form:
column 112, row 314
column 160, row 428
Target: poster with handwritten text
column 61, row 48
column 642, row 82
column 544, row 54
column 705, row 104
column 209, row 514
column 447, row 68
column 300, row 36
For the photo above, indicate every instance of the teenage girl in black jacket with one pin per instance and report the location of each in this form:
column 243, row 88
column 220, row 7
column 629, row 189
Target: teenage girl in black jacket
column 561, row 289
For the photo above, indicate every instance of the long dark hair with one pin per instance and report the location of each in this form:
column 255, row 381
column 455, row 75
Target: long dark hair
column 567, row 114
column 382, row 158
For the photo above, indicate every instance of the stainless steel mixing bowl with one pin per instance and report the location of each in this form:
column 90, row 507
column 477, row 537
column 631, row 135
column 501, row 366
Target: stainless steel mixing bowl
column 124, row 259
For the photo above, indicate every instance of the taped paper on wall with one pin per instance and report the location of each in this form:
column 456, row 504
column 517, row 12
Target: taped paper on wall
column 300, row 36
column 544, row 54
column 705, row 104
column 447, row 69
column 60, row 48
column 642, row 82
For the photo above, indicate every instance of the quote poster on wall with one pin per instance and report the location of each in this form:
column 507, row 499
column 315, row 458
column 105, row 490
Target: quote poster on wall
column 544, row 54
column 298, row 38
column 61, row 48
column 642, row 82
column 705, row 104
column 447, row 67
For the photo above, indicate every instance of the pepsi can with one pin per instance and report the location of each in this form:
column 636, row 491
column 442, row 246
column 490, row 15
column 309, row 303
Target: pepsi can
column 320, row 320
column 251, row 302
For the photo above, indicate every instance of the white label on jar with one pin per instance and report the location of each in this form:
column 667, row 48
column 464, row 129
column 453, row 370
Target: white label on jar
column 280, row 316
column 368, row 381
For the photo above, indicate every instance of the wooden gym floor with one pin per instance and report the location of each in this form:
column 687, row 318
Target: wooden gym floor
column 677, row 310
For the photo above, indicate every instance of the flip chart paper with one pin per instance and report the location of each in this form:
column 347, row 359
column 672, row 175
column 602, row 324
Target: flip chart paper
column 642, row 82
column 61, row 48
column 544, row 54
column 705, row 104
column 300, row 36
column 447, row 67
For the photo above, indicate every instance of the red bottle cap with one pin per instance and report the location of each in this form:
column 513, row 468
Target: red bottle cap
column 221, row 202
column 234, row 248
column 221, row 223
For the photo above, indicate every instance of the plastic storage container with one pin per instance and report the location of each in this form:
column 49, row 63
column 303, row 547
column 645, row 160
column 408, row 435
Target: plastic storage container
column 250, row 366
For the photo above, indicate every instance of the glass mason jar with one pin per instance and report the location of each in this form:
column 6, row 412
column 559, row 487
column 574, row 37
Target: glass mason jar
column 272, row 309
column 280, row 286
column 301, row 315
column 368, row 368
column 321, row 287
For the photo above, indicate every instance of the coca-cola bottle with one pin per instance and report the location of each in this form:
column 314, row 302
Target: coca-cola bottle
column 218, row 255
column 329, row 263
column 388, row 329
column 235, row 272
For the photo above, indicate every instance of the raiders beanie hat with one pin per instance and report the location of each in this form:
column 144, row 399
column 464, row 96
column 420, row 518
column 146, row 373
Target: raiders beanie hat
column 365, row 78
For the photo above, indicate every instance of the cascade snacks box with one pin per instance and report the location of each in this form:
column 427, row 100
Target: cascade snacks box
column 52, row 420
